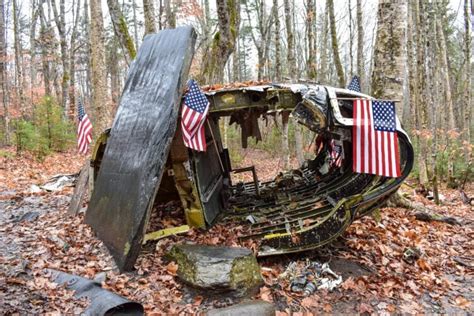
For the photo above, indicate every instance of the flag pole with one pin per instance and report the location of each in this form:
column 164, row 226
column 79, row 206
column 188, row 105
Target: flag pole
column 352, row 99
column 215, row 145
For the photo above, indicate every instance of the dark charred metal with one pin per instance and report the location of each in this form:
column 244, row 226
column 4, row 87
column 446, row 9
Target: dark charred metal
column 139, row 143
column 102, row 302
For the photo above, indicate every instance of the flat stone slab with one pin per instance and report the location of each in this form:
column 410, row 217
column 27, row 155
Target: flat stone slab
column 251, row 308
column 217, row 268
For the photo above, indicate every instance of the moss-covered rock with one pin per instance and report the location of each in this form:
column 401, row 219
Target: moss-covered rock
column 217, row 268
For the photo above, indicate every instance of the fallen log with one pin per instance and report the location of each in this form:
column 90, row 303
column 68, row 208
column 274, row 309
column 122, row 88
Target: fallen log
column 422, row 213
column 422, row 216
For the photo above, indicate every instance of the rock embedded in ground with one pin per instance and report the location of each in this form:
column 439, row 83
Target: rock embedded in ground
column 217, row 268
column 251, row 308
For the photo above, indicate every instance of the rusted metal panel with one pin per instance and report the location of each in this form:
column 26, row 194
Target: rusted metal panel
column 139, row 143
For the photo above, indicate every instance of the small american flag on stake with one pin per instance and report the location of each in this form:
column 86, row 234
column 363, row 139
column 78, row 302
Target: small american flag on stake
column 336, row 153
column 84, row 130
column 374, row 138
column 193, row 115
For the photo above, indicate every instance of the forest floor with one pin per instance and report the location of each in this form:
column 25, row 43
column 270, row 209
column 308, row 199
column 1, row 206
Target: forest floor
column 370, row 256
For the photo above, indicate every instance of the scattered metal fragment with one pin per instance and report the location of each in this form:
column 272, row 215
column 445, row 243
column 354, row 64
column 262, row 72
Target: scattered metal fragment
column 313, row 276
column 102, row 302
column 58, row 182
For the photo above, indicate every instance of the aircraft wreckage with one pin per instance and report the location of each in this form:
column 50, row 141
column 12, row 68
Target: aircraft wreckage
column 142, row 160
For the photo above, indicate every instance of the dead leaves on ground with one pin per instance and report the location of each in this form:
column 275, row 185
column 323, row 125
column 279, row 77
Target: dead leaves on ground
column 394, row 286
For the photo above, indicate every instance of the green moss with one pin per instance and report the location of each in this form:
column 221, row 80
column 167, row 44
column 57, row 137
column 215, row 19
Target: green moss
column 245, row 273
column 128, row 39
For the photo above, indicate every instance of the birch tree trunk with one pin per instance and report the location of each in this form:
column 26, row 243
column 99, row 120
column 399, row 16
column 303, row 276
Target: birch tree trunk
column 335, row 44
column 389, row 51
column 101, row 113
column 121, row 30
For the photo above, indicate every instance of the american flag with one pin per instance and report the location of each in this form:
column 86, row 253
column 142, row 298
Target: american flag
column 84, row 130
column 336, row 153
column 193, row 115
column 354, row 85
column 375, row 140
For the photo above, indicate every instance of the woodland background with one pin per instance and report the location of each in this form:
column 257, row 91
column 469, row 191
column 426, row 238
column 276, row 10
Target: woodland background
column 54, row 53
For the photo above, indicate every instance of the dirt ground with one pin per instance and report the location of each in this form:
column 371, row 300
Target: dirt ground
column 36, row 233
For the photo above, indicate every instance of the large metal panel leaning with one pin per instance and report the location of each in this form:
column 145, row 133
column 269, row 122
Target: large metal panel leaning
column 139, row 143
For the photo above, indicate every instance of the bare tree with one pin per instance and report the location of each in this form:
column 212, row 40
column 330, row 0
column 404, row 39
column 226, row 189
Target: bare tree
column 72, row 56
column 121, row 30
column 467, row 78
column 310, row 34
column 3, row 73
column 360, row 43
column 101, row 115
column 335, row 44
column 149, row 14
column 228, row 20
column 262, row 40
column 276, row 16
column 18, row 58
column 389, row 54
column 60, row 19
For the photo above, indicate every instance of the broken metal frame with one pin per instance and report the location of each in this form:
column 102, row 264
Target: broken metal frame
column 307, row 215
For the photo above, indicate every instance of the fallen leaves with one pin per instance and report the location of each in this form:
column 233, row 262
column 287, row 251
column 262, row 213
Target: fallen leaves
column 54, row 240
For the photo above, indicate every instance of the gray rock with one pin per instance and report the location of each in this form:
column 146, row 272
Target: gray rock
column 251, row 308
column 218, row 268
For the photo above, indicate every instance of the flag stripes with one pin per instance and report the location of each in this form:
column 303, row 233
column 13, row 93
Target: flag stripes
column 84, row 130
column 193, row 115
column 375, row 140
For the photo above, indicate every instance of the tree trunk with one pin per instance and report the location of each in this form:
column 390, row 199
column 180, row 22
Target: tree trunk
column 214, row 60
column 61, row 26
column 351, row 39
column 3, row 74
column 72, row 60
column 45, row 40
column 149, row 14
column 102, row 114
column 421, row 101
column 335, row 45
column 324, row 78
column 411, row 118
column 360, row 44
column 311, row 61
column 170, row 15
column 284, row 140
column 467, row 97
column 389, row 51
column 290, row 38
column 34, row 19
column 276, row 16
column 18, row 59
column 121, row 30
